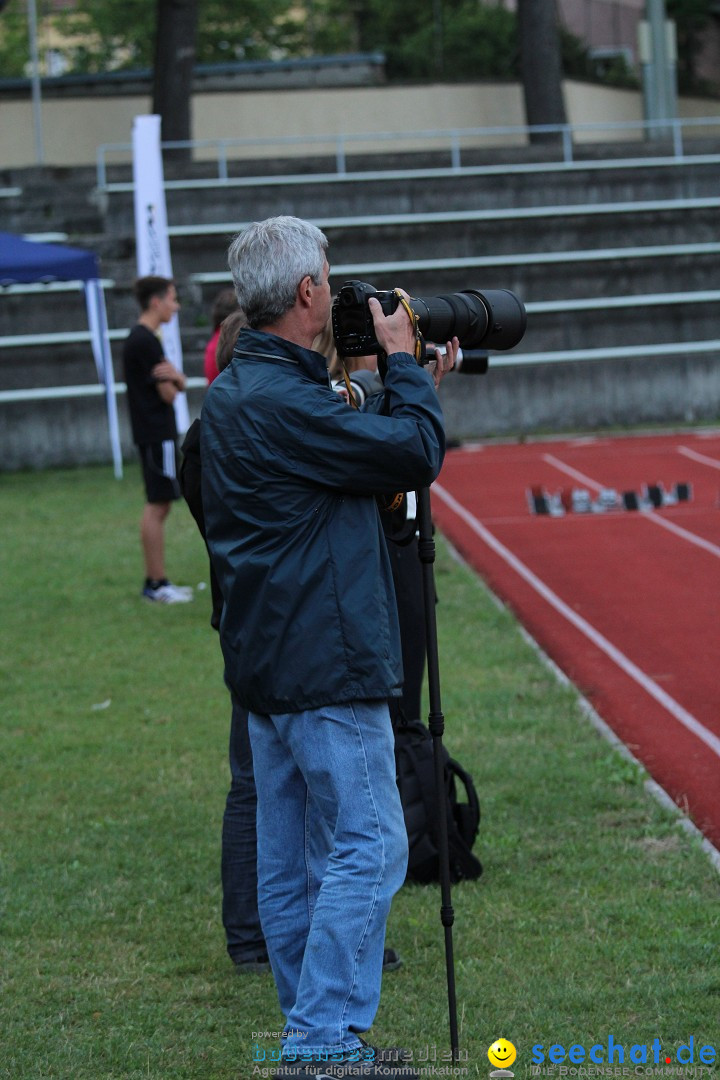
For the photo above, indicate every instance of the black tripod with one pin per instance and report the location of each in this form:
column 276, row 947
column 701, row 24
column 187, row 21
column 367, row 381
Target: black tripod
column 436, row 724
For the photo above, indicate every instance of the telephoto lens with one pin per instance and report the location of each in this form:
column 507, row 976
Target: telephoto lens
column 494, row 319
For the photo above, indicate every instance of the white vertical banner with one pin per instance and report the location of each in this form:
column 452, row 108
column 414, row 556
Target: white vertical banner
column 99, row 336
column 151, row 235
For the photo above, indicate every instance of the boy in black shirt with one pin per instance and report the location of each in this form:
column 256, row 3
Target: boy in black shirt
column 152, row 385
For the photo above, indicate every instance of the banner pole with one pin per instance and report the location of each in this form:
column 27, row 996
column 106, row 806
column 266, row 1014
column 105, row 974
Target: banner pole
column 151, row 235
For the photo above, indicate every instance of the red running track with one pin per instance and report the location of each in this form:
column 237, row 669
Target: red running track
column 625, row 602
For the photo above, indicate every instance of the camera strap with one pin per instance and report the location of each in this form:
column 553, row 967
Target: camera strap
column 391, row 502
column 348, row 386
column 394, row 502
column 414, row 320
column 385, row 502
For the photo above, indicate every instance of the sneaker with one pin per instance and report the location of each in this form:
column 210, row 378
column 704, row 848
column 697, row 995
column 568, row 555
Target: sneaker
column 391, row 960
column 186, row 589
column 168, row 594
column 366, row 1061
column 252, row 964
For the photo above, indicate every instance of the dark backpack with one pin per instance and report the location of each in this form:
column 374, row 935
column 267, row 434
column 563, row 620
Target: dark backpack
column 415, row 770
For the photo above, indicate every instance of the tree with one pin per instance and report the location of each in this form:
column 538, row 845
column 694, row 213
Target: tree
column 106, row 35
column 449, row 40
column 14, row 43
column 230, row 30
column 541, row 65
column 112, row 35
column 175, row 34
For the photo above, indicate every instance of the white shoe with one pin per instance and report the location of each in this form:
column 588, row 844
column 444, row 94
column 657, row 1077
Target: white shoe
column 184, row 590
column 168, row 594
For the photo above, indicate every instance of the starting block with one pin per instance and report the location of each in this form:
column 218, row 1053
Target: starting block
column 580, row 501
column 654, row 496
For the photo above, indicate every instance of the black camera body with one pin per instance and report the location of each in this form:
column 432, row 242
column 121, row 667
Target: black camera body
column 495, row 319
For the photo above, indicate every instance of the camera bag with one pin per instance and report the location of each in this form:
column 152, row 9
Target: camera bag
column 415, row 772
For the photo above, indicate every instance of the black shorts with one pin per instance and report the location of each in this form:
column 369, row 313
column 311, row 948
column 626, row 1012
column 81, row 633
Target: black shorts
column 160, row 471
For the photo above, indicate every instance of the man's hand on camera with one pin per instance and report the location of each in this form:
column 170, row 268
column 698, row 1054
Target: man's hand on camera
column 395, row 332
column 444, row 361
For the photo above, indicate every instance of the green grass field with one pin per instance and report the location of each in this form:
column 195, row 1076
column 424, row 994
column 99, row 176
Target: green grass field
column 596, row 915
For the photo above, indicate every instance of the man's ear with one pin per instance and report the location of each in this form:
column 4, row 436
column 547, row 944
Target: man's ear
column 304, row 291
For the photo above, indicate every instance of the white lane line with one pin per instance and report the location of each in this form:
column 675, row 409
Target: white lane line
column 650, row 516
column 688, row 721
column 692, row 538
column 702, row 458
column 581, row 477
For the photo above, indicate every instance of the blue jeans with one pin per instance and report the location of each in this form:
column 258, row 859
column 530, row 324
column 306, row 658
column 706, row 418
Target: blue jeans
column 325, row 936
column 243, row 932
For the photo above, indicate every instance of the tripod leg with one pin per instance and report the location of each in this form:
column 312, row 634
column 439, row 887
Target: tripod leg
column 436, row 724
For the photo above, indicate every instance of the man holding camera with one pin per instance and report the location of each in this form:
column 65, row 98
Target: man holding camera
column 309, row 631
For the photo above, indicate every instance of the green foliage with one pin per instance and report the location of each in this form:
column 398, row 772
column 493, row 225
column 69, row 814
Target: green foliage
column 579, row 64
column 459, row 39
column 109, row 35
column 14, row 41
column 120, row 34
column 249, row 30
column 448, row 40
column 480, row 41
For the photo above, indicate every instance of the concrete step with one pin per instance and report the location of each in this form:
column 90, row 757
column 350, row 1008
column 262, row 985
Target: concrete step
column 241, row 200
column 466, row 237
column 568, row 276
column 52, row 198
column 651, row 321
column 544, row 257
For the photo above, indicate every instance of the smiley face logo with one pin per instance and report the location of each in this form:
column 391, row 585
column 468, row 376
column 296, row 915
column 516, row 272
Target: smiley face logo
column 502, row 1053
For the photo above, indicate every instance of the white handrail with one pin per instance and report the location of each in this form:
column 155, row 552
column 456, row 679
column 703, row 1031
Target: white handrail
column 533, row 307
column 470, row 262
column 88, row 390
column 50, row 286
column 58, row 337
column 447, row 217
column 657, row 351
column 618, row 352
column 450, row 137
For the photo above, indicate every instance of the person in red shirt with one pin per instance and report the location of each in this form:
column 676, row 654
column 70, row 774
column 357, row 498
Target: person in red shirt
column 224, row 305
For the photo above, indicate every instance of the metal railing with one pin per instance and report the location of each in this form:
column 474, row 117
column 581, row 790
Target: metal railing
column 449, row 139
column 533, row 307
column 88, row 390
column 453, row 139
column 449, row 217
column 656, row 351
column 470, row 262
column 49, row 286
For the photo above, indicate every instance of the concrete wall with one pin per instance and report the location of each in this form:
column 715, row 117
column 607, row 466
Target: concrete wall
column 581, row 396
column 504, row 402
column 74, row 127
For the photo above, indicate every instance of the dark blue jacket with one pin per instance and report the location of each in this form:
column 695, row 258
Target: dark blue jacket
column 289, row 474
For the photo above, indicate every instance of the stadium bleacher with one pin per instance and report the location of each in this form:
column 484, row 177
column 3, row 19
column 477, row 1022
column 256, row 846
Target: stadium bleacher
column 616, row 259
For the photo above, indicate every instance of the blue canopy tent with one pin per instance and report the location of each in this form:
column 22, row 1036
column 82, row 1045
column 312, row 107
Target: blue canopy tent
column 24, row 262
